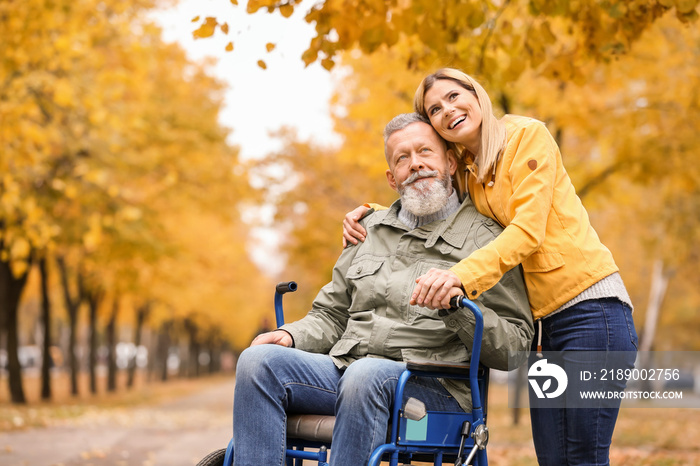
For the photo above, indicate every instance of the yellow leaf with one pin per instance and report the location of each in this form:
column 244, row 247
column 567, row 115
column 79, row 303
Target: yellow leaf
column 19, row 268
column 234, row 2
column 195, row 19
column 131, row 213
column 270, row 46
column 93, row 237
column 206, row 29
column 686, row 6
column 286, row 10
column 309, row 56
column 20, row 249
column 262, row 64
column 224, row 28
column 327, row 63
column 229, row 47
column 71, row 192
column 62, row 94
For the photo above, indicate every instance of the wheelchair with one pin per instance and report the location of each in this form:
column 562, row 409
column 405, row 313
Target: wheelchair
column 414, row 433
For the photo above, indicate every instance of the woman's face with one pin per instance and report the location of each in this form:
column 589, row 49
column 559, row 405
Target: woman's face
column 455, row 114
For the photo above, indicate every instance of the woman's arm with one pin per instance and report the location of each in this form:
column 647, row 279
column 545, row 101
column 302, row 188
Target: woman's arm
column 530, row 165
column 352, row 230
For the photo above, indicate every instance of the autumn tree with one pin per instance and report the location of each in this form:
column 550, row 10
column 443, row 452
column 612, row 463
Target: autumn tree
column 109, row 135
column 630, row 143
column 504, row 36
column 627, row 133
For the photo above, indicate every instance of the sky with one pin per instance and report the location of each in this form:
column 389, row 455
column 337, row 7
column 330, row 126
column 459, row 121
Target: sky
column 258, row 101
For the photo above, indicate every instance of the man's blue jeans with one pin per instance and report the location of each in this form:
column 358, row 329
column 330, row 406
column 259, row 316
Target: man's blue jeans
column 272, row 381
column 581, row 436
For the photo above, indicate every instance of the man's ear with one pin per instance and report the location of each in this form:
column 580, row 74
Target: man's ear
column 392, row 181
column 451, row 161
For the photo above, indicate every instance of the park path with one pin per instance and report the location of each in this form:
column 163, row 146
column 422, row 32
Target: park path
column 174, row 433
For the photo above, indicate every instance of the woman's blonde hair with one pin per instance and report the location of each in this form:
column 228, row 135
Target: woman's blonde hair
column 493, row 131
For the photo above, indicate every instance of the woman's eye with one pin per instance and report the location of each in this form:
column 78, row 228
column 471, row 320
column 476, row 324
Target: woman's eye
column 453, row 96
column 433, row 110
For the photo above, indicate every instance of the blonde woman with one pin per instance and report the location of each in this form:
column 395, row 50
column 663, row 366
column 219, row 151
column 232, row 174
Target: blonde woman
column 513, row 172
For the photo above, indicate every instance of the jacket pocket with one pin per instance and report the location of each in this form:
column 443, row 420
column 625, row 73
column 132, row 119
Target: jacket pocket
column 543, row 262
column 344, row 347
column 362, row 276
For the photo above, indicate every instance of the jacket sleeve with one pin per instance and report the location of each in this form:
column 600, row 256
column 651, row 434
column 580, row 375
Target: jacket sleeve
column 508, row 326
column 530, row 165
column 325, row 323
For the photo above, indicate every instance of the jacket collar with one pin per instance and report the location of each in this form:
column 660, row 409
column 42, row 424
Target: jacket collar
column 453, row 230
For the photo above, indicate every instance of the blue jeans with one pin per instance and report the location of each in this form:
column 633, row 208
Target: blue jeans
column 581, row 436
column 272, row 381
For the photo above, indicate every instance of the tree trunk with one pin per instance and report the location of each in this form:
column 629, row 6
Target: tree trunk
column 112, row 348
column 46, row 361
column 72, row 307
column 657, row 293
column 162, row 349
column 94, row 298
column 11, row 288
column 141, row 314
column 192, row 349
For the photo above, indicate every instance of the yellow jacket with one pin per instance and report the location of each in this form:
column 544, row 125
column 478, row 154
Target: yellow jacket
column 546, row 227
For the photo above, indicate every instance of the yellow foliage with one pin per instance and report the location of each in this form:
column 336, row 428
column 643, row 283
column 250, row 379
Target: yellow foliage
column 107, row 134
column 206, row 29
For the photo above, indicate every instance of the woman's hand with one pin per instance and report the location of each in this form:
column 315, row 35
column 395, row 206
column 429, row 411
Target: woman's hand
column 352, row 230
column 435, row 289
column 275, row 337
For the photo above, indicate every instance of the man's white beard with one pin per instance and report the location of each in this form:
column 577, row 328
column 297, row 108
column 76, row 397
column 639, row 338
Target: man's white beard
column 425, row 200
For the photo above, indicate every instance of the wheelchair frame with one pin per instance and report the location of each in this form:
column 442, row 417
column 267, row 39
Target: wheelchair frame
column 458, row 437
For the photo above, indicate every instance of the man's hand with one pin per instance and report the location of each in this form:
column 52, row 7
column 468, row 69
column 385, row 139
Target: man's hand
column 276, row 337
column 352, row 230
column 435, row 289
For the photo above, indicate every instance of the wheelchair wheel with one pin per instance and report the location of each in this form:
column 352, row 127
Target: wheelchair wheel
column 215, row 458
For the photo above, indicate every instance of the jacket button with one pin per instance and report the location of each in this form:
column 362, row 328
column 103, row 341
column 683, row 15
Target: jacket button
column 473, row 292
column 452, row 323
column 359, row 269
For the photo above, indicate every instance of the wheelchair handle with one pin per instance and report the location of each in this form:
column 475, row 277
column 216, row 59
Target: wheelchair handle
column 286, row 287
column 459, row 302
column 281, row 289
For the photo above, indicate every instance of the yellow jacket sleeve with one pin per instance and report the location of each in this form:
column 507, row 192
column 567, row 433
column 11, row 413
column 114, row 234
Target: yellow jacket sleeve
column 520, row 200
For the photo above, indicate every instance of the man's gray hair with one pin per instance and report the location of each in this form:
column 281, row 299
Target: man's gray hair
column 401, row 121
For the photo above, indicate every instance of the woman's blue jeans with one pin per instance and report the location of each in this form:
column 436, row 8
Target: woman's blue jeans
column 272, row 381
column 581, row 436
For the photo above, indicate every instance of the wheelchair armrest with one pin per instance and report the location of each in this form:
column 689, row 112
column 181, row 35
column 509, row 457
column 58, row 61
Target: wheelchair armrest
column 442, row 367
column 456, row 368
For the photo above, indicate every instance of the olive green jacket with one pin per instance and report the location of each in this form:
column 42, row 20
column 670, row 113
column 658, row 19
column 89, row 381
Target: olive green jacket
column 364, row 311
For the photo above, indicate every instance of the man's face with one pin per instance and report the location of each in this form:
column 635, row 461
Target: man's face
column 420, row 168
column 414, row 149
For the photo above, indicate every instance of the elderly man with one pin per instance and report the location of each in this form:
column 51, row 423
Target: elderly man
column 345, row 356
